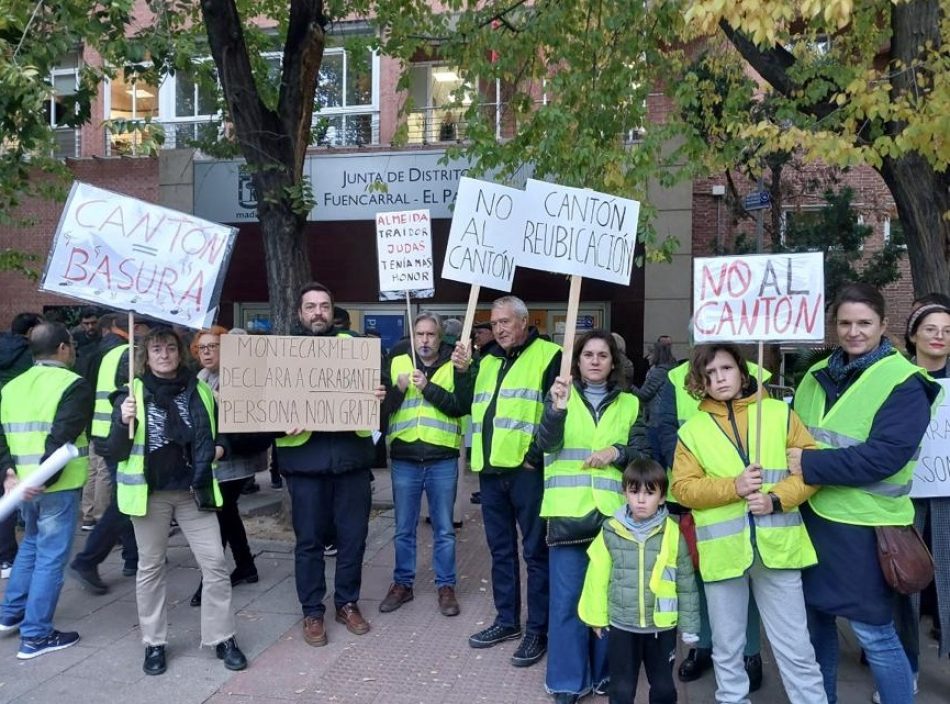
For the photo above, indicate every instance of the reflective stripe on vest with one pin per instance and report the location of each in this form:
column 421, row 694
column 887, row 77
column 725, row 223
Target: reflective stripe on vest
column 847, row 424
column 418, row 420
column 132, row 487
column 572, row 491
column 28, row 406
column 723, row 534
column 105, row 385
column 518, row 406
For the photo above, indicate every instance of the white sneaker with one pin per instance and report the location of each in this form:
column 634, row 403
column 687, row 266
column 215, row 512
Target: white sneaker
column 5, row 569
column 876, row 697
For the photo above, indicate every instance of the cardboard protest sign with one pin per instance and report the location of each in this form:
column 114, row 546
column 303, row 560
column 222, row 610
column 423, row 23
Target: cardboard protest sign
column 576, row 231
column 279, row 382
column 765, row 297
column 481, row 242
column 114, row 250
column 932, row 471
column 404, row 247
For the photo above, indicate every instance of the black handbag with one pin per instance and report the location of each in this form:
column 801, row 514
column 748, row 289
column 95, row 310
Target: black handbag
column 563, row 530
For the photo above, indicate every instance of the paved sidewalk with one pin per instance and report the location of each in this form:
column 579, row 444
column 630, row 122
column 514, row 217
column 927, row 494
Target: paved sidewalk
column 411, row 656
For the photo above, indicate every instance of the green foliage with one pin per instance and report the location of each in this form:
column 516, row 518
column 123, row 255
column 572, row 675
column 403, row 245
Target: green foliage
column 836, row 231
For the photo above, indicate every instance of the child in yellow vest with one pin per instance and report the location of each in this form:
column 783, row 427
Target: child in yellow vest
column 639, row 587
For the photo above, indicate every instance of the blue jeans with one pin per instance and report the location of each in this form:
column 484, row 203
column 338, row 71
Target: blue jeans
column 889, row 665
column 511, row 500
column 438, row 479
column 37, row 577
column 577, row 659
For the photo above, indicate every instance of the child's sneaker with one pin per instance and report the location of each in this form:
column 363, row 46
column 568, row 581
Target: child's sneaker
column 57, row 640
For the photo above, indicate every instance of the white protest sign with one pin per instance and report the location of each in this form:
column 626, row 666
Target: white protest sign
column 481, row 241
column 932, row 471
column 404, row 247
column 114, row 250
column 576, row 231
column 763, row 297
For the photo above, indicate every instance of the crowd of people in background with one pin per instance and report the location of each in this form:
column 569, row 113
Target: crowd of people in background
column 689, row 506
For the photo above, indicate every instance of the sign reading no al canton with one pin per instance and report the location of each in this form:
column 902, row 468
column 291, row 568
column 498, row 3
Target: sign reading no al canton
column 279, row 382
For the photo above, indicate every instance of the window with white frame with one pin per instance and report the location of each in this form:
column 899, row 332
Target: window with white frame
column 64, row 80
column 894, row 232
column 799, row 215
column 436, row 115
column 189, row 109
column 131, row 104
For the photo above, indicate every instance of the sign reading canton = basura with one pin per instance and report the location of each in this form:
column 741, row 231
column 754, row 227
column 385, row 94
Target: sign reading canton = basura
column 932, row 471
column 275, row 383
column 576, row 231
column 482, row 240
column 768, row 297
column 122, row 252
column 404, row 247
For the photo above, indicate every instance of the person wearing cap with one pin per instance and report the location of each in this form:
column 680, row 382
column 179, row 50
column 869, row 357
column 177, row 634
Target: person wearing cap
column 41, row 410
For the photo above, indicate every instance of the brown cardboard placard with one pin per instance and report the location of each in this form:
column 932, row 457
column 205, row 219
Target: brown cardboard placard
column 281, row 382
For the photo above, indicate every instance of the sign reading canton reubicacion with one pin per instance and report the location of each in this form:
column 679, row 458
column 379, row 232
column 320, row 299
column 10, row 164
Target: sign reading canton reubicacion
column 115, row 250
column 345, row 186
column 275, row 382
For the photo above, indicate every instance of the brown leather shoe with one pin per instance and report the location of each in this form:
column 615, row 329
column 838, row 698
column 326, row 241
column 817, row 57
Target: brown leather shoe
column 349, row 615
column 314, row 632
column 448, row 604
column 398, row 595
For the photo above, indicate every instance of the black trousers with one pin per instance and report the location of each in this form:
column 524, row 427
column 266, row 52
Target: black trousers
column 626, row 651
column 232, row 527
column 8, row 545
column 321, row 504
column 112, row 528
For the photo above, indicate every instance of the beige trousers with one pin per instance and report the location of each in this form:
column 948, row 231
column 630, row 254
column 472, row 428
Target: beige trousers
column 97, row 491
column 201, row 530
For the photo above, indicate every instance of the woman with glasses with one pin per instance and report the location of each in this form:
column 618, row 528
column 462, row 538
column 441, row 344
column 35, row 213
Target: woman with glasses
column 248, row 455
column 166, row 472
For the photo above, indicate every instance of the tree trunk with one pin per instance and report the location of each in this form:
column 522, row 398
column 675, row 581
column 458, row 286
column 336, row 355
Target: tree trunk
column 287, row 262
column 921, row 195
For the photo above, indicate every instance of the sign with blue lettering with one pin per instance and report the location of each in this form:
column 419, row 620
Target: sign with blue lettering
column 757, row 200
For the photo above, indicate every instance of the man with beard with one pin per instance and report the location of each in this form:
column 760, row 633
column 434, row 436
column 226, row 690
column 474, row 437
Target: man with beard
column 328, row 476
column 426, row 402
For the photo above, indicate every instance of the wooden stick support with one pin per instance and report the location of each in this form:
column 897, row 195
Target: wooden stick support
column 570, row 324
column 466, row 336
column 412, row 341
column 758, row 406
column 131, row 365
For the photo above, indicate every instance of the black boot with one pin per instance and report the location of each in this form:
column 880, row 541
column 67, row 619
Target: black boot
column 154, row 660
column 696, row 663
column 231, row 654
column 244, row 573
column 753, row 668
column 196, row 597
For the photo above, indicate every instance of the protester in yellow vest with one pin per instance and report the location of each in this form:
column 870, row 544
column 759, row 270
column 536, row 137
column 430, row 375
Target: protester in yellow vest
column 165, row 473
column 41, row 410
column 513, row 379
column 425, row 404
column 640, row 587
column 868, row 408
column 749, row 532
column 591, row 429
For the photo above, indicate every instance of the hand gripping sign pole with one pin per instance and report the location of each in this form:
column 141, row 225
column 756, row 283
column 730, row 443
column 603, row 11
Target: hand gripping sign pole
column 412, row 332
column 132, row 367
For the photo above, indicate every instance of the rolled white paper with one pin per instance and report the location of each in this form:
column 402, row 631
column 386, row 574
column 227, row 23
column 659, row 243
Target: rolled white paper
column 53, row 464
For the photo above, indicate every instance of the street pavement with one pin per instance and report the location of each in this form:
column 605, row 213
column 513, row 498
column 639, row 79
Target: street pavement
column 411, row 656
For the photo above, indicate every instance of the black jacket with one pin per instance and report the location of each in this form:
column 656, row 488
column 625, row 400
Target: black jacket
column 327, row 452
column 73, row 414
column 454, row 404
column 15, row 356
column 534, row 457
column 202, row 449
column 550, row 435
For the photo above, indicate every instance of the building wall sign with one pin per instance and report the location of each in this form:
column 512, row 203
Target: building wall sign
column 345, row 186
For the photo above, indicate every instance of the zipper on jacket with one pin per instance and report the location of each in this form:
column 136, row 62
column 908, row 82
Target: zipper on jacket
column 642, row 586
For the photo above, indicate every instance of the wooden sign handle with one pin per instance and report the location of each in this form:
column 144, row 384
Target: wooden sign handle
column 412, row 342
column 570, row 324
column 466, row 336
column 758, row 407
column 131, row 365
